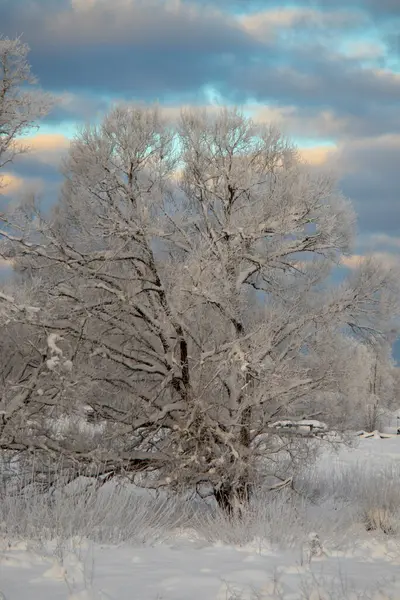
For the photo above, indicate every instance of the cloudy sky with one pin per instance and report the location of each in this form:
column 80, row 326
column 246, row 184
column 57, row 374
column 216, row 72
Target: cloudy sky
column 328, row 72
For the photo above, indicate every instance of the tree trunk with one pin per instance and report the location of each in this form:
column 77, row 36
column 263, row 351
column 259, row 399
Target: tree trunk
column 233, row 498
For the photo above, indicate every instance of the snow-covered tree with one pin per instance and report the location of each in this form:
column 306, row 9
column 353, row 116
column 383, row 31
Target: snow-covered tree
column 185, row 269
column 364, row 389
column 380, row 392
column 21, row 102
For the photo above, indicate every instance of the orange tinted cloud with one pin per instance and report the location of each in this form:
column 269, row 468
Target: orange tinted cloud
column 46, row 147
column 10, row 183
column 387, row 75
column 318, row 155
column 352, row 262
column 263, row 24
column 364, row 50
column 46, row 141
column 265, row 21
column 388, row 260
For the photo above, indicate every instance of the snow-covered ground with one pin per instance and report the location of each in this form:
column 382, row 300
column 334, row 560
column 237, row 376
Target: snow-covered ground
column 185, row 566
column 369, row 453
column 186, row 569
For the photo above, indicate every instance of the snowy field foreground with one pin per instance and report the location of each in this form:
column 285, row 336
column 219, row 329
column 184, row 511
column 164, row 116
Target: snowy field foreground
column 193, row 570
column 276, row 555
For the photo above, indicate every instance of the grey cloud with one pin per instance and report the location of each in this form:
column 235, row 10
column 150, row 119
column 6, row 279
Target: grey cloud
column 44, row 186
column 311, row 122
column 77, row 107
column 28, row 167
column 153, row 24
column 379, row 242
column 379, row 9
column 138, row 47
column 313, row 76
column 127, row 71
column 372, row 181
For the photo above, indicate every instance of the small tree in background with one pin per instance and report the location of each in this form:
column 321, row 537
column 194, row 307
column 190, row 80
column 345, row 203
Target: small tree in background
column 365, row 389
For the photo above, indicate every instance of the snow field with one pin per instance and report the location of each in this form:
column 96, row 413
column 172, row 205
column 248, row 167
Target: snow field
column 124, row 545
